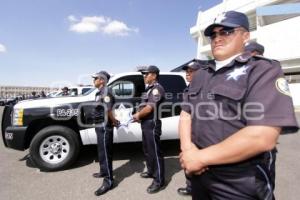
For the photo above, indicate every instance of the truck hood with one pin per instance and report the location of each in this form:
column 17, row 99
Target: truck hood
column 52, row 102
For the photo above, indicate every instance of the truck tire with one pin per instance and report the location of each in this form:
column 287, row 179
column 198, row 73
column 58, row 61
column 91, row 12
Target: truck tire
column 54, row 148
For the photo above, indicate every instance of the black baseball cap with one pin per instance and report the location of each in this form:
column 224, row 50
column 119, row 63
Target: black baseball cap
column 229, row 19
column 151, row 69
column 65, row 88
column 102, row 74
column 254, row 46
column 192, row 64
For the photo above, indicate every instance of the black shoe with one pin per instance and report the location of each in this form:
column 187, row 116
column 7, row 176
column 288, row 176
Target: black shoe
column 154, row 187
column 103, row 189
column 184, row 191
column 98, row 175
column 145, row 175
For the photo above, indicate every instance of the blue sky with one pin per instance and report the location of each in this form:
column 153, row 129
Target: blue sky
column 44, row 42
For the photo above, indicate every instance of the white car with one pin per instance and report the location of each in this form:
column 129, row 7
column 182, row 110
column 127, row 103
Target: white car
column 73, row 91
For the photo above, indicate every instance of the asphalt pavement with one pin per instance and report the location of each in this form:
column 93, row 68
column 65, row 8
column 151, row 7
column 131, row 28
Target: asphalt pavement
column 21, row 180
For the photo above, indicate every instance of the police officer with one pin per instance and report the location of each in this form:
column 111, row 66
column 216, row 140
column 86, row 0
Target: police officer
column 43, row 95
column 255, row 48
column 235, row 110
column 190, row 68
column 148, row 114
column 33, row 95
column 65, row 91
column 105, row 122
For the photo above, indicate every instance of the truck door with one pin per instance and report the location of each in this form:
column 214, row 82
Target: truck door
column 128, row 90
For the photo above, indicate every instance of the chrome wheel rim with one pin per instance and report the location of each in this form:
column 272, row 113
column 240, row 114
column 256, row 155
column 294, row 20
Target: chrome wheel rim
column 54, row 149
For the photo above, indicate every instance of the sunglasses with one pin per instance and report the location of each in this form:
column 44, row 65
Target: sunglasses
column 97, row 78
column 189, row 71
column 222, row 33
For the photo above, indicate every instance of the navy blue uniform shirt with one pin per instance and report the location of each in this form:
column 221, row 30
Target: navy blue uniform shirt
column 248, row 91
column 106, row 101
column 153, row 96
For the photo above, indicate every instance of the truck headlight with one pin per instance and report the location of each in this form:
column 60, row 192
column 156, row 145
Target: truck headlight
column 17, row 119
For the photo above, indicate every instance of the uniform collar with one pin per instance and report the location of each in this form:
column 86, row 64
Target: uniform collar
column 151, row 85
column 242, row 58
column 224, row 63
column 101, row 90
column 208, row 64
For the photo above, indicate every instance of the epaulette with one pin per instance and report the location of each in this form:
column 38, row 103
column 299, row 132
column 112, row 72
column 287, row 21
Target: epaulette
column 243, row 58
column 204, row 64
column 260, row 57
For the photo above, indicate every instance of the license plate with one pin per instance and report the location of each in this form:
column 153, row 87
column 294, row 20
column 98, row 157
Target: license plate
column 9, row 136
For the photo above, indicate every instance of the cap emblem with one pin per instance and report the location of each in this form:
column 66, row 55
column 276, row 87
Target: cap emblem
column 220, row 18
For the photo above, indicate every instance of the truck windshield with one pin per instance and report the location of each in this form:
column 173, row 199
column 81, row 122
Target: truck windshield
column 88, row 92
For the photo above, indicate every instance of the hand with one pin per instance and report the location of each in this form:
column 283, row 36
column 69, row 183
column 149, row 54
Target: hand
column 201, row 171
column 135, row 117
column 190, row 160
column 116, row 123
column 189, row 174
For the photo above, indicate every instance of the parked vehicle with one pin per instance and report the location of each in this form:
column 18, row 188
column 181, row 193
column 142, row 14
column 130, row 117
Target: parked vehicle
column 55, row 128
column 2, row 102
column 73, row 91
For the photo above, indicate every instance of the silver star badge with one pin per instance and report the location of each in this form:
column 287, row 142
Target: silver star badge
column 123, row 115
column 236, row 73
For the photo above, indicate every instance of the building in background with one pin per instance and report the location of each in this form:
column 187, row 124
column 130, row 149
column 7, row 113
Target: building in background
column 7, row 92
column 273, row 23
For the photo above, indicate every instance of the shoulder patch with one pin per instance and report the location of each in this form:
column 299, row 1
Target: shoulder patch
column 106, row 99
column 155, row 91
column 282, row 86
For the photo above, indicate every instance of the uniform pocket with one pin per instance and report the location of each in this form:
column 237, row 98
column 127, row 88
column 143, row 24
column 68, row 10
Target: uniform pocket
column 228, row 92
column 263, row 185
column 193, row 92
column 229, row 101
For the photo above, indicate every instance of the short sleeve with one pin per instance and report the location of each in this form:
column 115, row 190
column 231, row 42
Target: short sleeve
column 185, row 103
column 268, row 100
column 155, row 96
column 109, row 100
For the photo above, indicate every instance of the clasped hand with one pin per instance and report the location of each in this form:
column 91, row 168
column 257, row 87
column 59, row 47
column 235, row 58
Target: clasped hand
column 190, row 160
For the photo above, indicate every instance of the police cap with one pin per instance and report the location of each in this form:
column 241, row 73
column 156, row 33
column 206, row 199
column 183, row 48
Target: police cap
column 65, row 89
column 192, row 65
column 254, row 46
column 151, row 69
column 230, row 19
column 102, row 74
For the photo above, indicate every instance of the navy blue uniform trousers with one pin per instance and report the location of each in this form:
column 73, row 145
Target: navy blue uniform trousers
column 151, row 130
column 233, row 183
column 105, row 152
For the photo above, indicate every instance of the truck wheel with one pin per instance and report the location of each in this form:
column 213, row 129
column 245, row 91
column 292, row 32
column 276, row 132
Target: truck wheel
column 54, row 148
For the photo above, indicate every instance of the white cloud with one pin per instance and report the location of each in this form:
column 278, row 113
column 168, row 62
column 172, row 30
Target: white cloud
column 72, row 18
column 87, row 24
column 118, row 28
column 2, row 48
column 100, row 24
